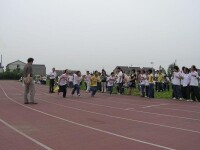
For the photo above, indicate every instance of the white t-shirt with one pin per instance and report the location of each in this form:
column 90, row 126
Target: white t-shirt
column 87, row 78
column 194, row 78
column 186, row 79
column 111, row 81
column 53, row 75
column 176, row 78
column 143, row 78
column 63, row 79
column 119, row 77
column 70, row 78
column 77, row 79
column 146, row 82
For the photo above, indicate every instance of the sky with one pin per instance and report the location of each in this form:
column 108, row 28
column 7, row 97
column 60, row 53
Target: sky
column 95, row 34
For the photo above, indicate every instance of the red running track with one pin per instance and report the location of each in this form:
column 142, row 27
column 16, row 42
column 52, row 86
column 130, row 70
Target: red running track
column 100, row 123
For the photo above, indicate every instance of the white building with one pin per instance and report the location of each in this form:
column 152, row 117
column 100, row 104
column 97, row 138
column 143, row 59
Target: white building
column 37, row 69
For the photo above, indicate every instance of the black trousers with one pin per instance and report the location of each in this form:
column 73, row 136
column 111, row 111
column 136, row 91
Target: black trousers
column 51, row 85
column 186, row 92
column 63, row 89
column 195, row 93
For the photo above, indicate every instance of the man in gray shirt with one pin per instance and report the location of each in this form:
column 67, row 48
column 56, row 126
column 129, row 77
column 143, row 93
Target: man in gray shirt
column 29, row 83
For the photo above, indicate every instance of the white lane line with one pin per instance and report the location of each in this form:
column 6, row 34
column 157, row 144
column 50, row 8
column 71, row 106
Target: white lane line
column 26, row 136
column 124, row 109
column 154, row 105
column 117, row 117
column 129, row 108
column 88, row 127
column 128, row 119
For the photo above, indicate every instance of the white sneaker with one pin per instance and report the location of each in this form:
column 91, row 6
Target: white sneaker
column 174, row 98
column 79, row 95
column 180, row 99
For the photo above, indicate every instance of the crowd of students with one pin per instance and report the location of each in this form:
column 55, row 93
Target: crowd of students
column 185, row 82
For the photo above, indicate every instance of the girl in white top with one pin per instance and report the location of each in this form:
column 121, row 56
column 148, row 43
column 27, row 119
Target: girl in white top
column 147, row 86
column 63, row 81
column 143, row 78
column 110, row 82
column 87, row 81
column 185, row 83
column 194, row 82
column 76, row 81
column 176, row 83
column 70, row 79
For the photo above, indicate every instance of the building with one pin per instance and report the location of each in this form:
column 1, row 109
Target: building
column 15, row 65
column 37, row 68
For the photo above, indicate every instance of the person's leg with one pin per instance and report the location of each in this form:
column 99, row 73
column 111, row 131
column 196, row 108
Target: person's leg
column 196, row 92
column 179, row 94
column 117, row 87
column 26, row 91
column 78, row 90
column 150, row 91
column 187, row 92
column 143, row 88
column 192, row 93
column 175, row 91
column 184, row 92
column 102, row 87
column 104, row 84
column 111, row 90
column 50, row 84
column 64, row 88
column 74, row 89
column 147, row 90
column 32, row 91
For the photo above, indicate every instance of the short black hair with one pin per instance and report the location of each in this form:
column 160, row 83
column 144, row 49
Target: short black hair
column 176, row 68
column 150, row 71
column 30, row 60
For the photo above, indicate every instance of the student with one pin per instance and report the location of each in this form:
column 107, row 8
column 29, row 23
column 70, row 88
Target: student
column 87, row 80
column 70, row 79
column 186, row 84
column 151, row 84
column 177, row 83
column 93, row 83
column 103, row 81
column 160, row 78
column 111, row 79
column 131, row 83
column 194, row 83
column 76, row 82
column 99, row 82
column 156, row 79
column 52, row 80
column 142, row 82
column 63, row 81
column 147, row 86
column 138, row 80
column 119, row 80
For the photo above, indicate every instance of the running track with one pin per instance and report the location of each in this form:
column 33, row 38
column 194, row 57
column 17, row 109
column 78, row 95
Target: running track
column 101, row 123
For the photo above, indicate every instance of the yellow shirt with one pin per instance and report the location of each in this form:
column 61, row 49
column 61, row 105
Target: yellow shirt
column 150, row 78
column 160, row 77
column 94, row 80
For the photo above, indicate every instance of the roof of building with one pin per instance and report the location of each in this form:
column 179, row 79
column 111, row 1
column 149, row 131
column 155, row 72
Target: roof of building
column 15, row 62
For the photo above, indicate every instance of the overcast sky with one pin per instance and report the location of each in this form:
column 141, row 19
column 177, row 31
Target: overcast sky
column 92, row 34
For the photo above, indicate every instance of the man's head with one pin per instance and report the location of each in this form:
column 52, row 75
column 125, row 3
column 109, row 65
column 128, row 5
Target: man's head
column 53, row 69
column 30, row 60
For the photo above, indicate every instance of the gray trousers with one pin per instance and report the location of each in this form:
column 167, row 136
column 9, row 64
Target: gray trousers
column 29, row 88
